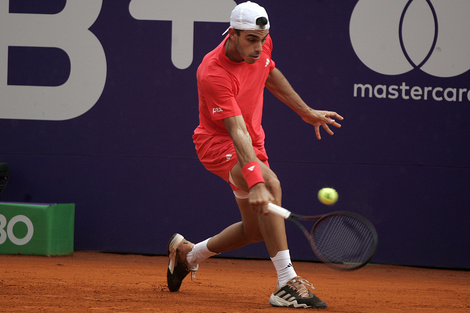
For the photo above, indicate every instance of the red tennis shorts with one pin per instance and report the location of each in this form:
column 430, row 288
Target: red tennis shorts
column 218, row 155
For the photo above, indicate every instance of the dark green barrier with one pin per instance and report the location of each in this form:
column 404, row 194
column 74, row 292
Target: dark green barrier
column 39, row 229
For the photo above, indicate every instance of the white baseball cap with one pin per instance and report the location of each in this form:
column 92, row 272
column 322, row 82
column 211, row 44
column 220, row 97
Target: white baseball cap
column 245, row 15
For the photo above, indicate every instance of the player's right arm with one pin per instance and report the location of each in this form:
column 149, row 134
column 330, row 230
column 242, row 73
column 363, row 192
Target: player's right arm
column 259, row 194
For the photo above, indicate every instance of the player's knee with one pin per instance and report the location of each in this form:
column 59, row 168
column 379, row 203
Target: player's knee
column 253, row 235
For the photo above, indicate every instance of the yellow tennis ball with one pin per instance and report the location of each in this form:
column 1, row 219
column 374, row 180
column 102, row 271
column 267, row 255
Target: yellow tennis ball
column 327, row 196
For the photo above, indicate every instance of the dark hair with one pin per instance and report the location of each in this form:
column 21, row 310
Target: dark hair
column 261, row 22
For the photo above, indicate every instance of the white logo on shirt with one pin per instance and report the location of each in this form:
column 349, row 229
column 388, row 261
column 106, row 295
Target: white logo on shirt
column 216, row 110
column 267, row 62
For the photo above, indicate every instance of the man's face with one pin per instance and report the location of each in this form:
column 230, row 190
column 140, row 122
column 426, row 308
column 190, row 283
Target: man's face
column 249, row 44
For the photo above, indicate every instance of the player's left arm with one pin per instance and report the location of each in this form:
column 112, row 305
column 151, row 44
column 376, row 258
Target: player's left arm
column 277, row 83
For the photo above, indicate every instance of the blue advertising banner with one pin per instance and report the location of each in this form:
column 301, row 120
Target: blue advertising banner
column 98, row 103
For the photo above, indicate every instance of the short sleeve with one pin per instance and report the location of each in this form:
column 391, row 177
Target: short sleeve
column 219, row 96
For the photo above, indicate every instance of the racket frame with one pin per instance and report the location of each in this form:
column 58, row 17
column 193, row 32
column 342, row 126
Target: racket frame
column 294, row 218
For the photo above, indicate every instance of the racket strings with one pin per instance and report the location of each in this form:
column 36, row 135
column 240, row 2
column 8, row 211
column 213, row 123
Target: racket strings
column 344, row 241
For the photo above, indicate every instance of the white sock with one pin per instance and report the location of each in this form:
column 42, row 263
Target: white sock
column 284, row 268
column 199, row 253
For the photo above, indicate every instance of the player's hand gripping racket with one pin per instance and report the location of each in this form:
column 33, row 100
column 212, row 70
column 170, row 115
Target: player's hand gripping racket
column 342, row 240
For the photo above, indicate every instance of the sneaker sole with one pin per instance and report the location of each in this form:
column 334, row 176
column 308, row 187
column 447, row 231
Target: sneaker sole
column 173, row 243
column 280, row 302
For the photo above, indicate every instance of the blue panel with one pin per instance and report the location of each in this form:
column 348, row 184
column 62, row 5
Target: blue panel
column 33, row 66
column 130, row 166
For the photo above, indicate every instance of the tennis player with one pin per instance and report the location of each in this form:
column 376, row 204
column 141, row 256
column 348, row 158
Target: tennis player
column 230, row 143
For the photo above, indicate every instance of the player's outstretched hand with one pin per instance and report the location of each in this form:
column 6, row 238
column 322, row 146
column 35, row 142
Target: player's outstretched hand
column 324, row 119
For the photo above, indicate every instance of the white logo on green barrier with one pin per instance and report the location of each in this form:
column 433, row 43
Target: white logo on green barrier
column 9, row 226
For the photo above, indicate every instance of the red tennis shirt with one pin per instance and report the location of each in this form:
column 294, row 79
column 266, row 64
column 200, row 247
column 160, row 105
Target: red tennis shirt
column 228, row 89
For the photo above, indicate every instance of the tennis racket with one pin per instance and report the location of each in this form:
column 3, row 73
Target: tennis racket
column 342, row 240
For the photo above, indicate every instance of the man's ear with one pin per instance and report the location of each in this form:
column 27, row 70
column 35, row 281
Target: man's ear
column 232, row 33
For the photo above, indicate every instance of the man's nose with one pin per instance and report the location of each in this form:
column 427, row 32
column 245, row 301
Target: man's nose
column 259, row 47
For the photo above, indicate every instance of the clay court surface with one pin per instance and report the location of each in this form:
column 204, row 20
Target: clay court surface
column 103, row 282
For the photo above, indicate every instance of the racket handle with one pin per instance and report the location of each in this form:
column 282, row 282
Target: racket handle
column 279, row 210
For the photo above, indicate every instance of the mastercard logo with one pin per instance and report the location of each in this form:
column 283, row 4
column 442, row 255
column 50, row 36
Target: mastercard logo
column 399, row 36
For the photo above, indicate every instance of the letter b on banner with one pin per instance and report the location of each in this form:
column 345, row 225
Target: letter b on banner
column 67, row 30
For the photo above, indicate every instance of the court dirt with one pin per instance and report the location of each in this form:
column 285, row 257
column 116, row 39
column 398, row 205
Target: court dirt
column 104, row 282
